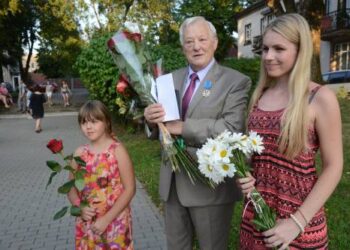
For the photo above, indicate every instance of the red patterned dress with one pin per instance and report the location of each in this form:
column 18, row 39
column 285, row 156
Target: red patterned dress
column 102, row 189
column 283, row 183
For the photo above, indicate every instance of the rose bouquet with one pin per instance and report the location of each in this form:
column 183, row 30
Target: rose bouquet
column 56, row 147
column 225, row 156
column 135, row 67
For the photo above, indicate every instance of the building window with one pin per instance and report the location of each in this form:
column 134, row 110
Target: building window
column 248, row 34
column 342, row 55
column 265, row 21
column 327, row 3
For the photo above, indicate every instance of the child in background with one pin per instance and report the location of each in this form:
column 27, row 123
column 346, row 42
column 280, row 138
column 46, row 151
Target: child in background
column 65, row 92
column 109, row 184
column 37, row 100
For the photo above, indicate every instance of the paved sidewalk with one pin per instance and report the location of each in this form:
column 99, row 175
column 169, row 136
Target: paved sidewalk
column 26, row 208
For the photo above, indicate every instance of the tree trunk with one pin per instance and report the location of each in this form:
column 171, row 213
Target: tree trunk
column 315, row 63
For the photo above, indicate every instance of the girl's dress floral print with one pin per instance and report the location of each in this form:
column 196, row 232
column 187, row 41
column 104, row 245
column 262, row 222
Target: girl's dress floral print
column 102, row 189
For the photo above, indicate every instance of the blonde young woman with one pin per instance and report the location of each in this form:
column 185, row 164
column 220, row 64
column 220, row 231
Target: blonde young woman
column 296, row 117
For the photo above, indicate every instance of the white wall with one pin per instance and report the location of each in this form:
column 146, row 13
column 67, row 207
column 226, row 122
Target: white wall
column 325, row 56
column 254, row 19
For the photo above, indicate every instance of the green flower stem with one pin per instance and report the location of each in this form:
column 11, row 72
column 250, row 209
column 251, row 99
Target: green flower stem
column 265, row 217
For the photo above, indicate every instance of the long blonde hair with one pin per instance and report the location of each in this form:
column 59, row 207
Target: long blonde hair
column 293, row 137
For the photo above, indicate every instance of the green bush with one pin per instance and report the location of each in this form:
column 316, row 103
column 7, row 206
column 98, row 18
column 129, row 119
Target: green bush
column 172, row 57
column 98, row 71
column 247, row 66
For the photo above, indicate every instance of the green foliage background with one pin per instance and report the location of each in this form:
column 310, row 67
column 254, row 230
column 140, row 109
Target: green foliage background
column 100, row 74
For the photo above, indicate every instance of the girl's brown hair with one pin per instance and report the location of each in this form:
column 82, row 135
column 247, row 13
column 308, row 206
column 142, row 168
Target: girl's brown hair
column 95, row 110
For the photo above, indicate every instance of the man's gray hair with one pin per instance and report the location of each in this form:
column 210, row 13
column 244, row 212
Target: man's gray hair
column 191, row 20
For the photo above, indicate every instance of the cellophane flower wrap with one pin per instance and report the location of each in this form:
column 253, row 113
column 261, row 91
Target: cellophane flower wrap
column 56, row 147
column 226, row 156
column 135, row 67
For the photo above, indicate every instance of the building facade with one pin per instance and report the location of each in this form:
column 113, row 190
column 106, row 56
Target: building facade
column 335, row 33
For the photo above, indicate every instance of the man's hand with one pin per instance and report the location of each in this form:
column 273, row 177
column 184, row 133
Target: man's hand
column 174, row 127
column 154, row 113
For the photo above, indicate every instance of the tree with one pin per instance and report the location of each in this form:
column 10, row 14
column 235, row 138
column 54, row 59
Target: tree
column 220, row 13
column 17, row 31
column 60, row 42
column 313, row 11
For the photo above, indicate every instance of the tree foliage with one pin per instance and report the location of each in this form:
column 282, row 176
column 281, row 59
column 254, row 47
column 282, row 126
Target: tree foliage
column 17, row 32
column 60, row 40
column 220, row 13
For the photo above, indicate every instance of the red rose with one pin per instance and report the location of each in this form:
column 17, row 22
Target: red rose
column 55, row 146
column 157, row 71
column 122, row 84
column 110, row 43
column 136, row 37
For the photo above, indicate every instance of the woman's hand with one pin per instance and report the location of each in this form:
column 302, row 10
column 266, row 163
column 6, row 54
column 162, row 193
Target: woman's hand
column 246, row 184
column 87, row 213
column 282, row 234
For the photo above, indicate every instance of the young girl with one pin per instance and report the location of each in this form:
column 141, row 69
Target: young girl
column 37, row 100
column 109, row 184
column 296, row 117
column 65, row 91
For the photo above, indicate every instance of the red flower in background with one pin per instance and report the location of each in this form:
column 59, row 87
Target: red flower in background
column 55, row 146
column 122, row 84
column 110, row 43
column 136, row 37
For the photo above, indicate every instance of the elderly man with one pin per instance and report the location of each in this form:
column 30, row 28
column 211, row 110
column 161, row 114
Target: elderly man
column 211, row 98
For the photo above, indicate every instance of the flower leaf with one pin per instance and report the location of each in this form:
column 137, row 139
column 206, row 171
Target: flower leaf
column 79, row 184
column 54, row 166
column 60, row 213
column 75, row 211
column 68, row 157
column 50, row 179
column 69, row 168
column 65, row 188
column 84, row 203
column 80, row 161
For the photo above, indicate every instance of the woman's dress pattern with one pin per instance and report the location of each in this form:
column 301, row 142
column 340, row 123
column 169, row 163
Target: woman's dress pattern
column 283, row 183
column 102, row 189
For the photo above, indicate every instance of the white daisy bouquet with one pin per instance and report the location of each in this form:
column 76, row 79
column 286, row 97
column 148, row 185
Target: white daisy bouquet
column 226, row 156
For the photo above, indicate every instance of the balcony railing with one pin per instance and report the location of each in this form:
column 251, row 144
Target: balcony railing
column 336, row 20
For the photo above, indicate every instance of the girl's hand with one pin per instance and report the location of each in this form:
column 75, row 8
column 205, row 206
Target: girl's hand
column 87, row 213
column 282, row 234
column 100, row 225
column 246, row 184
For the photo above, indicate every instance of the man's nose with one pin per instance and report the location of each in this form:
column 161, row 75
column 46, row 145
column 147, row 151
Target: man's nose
column 196, row 45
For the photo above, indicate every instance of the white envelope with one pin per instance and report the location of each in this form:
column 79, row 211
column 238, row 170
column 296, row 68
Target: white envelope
column 165, row 94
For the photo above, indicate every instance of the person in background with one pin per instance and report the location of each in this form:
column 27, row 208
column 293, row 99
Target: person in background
column 5, row 96
column 296, row 117
column 212, row 98
column 49, row 91
column 37, row 100
column 109, row 184
column 65, row 92
column 22, row 97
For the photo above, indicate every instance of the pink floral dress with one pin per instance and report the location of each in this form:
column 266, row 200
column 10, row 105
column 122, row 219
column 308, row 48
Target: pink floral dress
column 102, row 189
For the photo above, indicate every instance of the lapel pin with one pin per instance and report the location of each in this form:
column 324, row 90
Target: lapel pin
column 207, row 87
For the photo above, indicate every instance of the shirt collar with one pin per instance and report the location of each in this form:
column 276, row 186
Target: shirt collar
column 203, row 72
